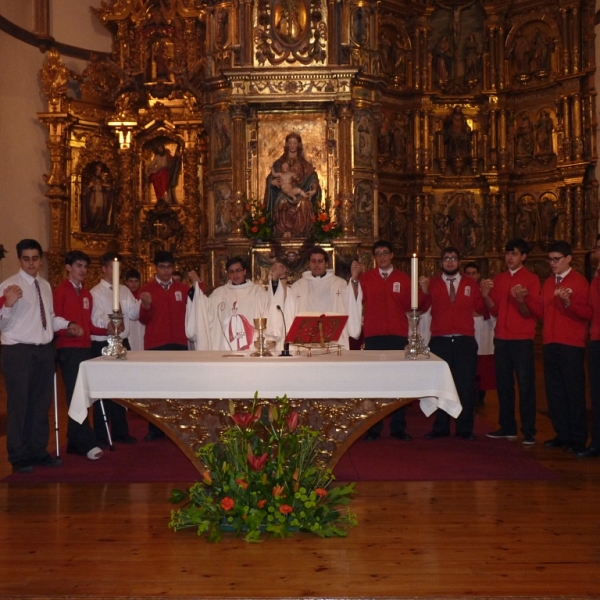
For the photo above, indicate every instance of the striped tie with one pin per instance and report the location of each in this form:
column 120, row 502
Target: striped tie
column 558, row 279
column 42, row 311
column 452, row 289
column 384, row 275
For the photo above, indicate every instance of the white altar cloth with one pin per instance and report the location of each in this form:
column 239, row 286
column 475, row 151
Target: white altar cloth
column 354, row 374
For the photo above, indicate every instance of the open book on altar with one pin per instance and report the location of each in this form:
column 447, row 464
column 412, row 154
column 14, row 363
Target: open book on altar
column 316, row 328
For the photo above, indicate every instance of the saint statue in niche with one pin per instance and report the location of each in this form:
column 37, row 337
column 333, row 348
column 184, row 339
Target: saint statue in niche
column 292, row 191
column 457, row 135
column 97, row 200
column 163, row 172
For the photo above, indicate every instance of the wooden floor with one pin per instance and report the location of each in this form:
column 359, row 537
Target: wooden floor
column 414, row 539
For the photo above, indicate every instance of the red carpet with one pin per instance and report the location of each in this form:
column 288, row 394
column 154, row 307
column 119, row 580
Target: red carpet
column 383, row 460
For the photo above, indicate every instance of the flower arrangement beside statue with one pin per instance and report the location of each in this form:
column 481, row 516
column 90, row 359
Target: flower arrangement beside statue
column 262, row 476
column 323, row 227
column 259, row 223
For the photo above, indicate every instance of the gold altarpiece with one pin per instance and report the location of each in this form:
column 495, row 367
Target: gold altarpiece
column 458, row 122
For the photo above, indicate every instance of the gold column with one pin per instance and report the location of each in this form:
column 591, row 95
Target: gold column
column 425, row 61
column 493, row 71
column 238, row 145
column 503, row 216
column 375, row 207
column 426, row 142
column 503, row 150
column 493, row 149
column 41, row 18
column 579, row 218
column 501, row 58
column 564, row 17
column 345, row 166
column 569, row 214
column 126, row 200
column 417, row 140
column 418, row 212
column 193, row 230
column 493, row 200
column 575, row 41
column 577, row 126
column 417, row 58
column 567, row 147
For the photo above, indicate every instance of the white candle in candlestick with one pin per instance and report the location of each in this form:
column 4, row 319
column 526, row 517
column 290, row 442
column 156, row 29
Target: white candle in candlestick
column 414, row 282
column 115, row 286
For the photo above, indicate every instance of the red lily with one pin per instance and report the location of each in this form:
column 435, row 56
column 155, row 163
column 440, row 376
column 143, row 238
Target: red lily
column 243, row 420
column 292, row 420
column 257, row 462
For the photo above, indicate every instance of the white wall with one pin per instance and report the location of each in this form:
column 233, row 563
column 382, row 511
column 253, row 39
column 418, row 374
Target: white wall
column 23, row 207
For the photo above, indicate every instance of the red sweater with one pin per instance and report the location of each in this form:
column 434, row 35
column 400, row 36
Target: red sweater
column 165, row 319
column 595, row 305
column 563, row 325
column 70, row 306
column 511, row 325
column 386, row 302
column 454, row 318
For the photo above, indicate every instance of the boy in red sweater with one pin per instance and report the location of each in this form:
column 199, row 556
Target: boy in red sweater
column 385, row 293
column 163, row 313
column 594, row 360
column 564, row 306
column 513, row 343
column 74, row 303
column 454, row 299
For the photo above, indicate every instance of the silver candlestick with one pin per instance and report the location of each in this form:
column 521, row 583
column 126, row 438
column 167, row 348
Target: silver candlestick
column 415, row 344
column 115, row 348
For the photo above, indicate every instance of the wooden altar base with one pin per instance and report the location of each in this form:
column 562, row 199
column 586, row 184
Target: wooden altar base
column 446, row 539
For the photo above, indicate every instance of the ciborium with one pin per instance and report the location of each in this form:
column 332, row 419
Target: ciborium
column 115, row 348
column 415, row 344
column 261, row 325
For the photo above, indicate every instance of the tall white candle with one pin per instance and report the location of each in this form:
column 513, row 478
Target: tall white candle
column 115, row 286
column 414, row 282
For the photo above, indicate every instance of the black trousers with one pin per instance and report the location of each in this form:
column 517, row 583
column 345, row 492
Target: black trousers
column 152, row 428
column 389, row 342
column 565, row 390
column 515, row 358
column 116, row 415
column 81, row 437
column 29, row 376
column 594, row 369
column 460, row 352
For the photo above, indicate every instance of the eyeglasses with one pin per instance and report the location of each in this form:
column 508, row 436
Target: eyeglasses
column 232, row 271
column 382, row 253
column 554, row 259
column 450, row 259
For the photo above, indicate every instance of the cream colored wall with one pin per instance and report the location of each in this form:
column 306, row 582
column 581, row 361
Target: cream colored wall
column 23, row 206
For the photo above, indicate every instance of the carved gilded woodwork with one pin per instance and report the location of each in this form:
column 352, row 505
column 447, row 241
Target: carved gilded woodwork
column 450, row 121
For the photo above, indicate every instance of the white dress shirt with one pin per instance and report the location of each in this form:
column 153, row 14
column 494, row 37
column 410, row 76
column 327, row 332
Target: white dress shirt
column 22, row 323
column 102, row 307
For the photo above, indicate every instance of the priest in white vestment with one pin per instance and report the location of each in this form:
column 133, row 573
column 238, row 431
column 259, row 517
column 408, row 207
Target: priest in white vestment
column 320, row 290
column 225, row 319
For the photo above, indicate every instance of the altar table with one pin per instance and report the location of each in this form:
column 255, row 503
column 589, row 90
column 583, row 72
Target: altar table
column 187, row 394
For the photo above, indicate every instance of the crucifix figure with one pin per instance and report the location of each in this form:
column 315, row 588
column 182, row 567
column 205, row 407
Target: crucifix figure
column 455, row 23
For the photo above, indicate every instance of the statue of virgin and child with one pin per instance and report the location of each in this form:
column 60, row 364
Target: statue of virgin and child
column 292, row 193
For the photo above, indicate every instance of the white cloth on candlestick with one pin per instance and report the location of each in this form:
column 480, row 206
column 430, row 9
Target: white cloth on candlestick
column 327, row 294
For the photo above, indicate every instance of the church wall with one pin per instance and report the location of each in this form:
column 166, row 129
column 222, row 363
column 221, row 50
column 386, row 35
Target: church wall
column 23, row 205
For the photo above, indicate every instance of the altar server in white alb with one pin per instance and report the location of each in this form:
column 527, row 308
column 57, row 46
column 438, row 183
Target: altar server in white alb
column 320, row 290
column 225, row 319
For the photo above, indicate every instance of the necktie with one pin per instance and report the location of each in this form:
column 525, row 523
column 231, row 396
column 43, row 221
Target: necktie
column 42, row 311
column 452, row 289
column 165, row 286
column 78, row 290
column 558, row 279
column 384, row 275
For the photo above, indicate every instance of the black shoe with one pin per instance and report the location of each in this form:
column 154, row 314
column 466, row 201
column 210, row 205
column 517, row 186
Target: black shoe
column 501, row 434
column 555, row 442
column 47, row 461
column 466, row 436
column 577, row 449
column 124, row 439
column 401, row 435
column 370, row 437
column 154, row 435
column 434, row 435
column 589, row 453
column 22, row 466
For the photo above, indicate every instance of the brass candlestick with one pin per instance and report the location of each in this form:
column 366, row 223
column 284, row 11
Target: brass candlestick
column 260, row 325
column 415, row 344
column 115, row 348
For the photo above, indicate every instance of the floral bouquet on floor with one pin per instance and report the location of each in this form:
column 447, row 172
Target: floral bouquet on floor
column 262, row 477
column 258, row 223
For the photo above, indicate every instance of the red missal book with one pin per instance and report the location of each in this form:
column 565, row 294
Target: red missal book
column 316, row 328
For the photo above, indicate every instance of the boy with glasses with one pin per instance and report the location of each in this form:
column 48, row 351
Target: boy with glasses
column 564, row 306
column 454, row 299
column 513, row 342
column 385, row 293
